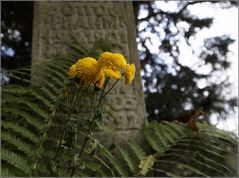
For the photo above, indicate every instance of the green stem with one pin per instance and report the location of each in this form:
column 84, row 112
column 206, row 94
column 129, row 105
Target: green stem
column 112, row 86
column 68, row 119
column 61, row 160
column 59, row 144
column 68, row 116
column 78, row 154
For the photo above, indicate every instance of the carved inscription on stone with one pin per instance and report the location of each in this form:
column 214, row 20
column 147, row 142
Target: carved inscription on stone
column 57, row 24
column 87, row 22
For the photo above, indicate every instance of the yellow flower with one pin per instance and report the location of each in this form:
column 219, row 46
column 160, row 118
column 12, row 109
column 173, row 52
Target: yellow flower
column 112, row 64
column 129, row 73
column 112, row 73
column 72, row 71
column 87, row 70
column 100, row 82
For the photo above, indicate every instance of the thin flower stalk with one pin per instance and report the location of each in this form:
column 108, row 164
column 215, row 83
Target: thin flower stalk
column 79, row 154
column 112, row 86
column 68, row 118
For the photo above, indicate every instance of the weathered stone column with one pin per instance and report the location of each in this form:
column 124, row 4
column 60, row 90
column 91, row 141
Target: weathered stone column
column 55, row 23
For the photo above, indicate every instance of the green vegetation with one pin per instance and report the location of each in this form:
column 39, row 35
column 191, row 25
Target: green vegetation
column 33, row 116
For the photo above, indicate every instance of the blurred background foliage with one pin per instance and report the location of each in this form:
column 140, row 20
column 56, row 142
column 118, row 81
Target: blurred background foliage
column 172, row 90
column 16, row 37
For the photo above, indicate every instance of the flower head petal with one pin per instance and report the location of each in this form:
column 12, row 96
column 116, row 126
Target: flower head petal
column 72, row 71
column 100, row 82
column 87, row 70
column 129, row 73
column 112, row 64
column 111, row 73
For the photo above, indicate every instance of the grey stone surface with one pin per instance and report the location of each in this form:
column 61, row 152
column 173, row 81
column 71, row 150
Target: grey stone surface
column 58, row 23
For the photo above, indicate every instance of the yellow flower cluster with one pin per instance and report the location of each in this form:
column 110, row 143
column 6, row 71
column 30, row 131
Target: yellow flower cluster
column 112, row 65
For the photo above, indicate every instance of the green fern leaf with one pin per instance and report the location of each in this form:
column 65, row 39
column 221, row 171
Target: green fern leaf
column 16, row 76
column 206, row 158
column 14, row 89
column 16, row 160
column 169, row 174
column 201, row 148
column 153, row 140
column 162, row 136
column 7, row 173
column 63, row 68
column 20, row 130
column 27, row 116
column 53, row 80
column 95, row 167
column 48, row 93
column 35, row 107
column 138, row 151
column 171, row 135
column 193, row 169
column 114, row 161
column 21, row 145
column 105, row 165
column 178, row 127
column 197, row 161
column 55, row 73
column 24, row 73
column 129, row 159
column 43, row 81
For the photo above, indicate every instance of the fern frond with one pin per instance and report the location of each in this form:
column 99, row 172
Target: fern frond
column 20, row 130
column 18, row 143
column 114, row 161
column 33, row 106
column 153, row 140
column 137, row 150
column 7, row 173
column 93, row 166
column 27, row 116
column 216, row 133
column 78, row 49
column 25, row 73
column 161, row 135
column 62, row 68
column 55, row 81
column 222, row 169
column 48, row 93
column 206, row 166
column 16, row 160
column 169, row 174
column 15, row 76
column 131, row 162
column 103, row 163
column 186, row 166
column 201, row 149
column 43, row 81
column 178, row 128
column 18, row 90
column 55, row 73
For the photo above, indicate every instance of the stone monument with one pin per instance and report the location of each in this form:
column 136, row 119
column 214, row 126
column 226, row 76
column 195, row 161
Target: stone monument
column 57, row 23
